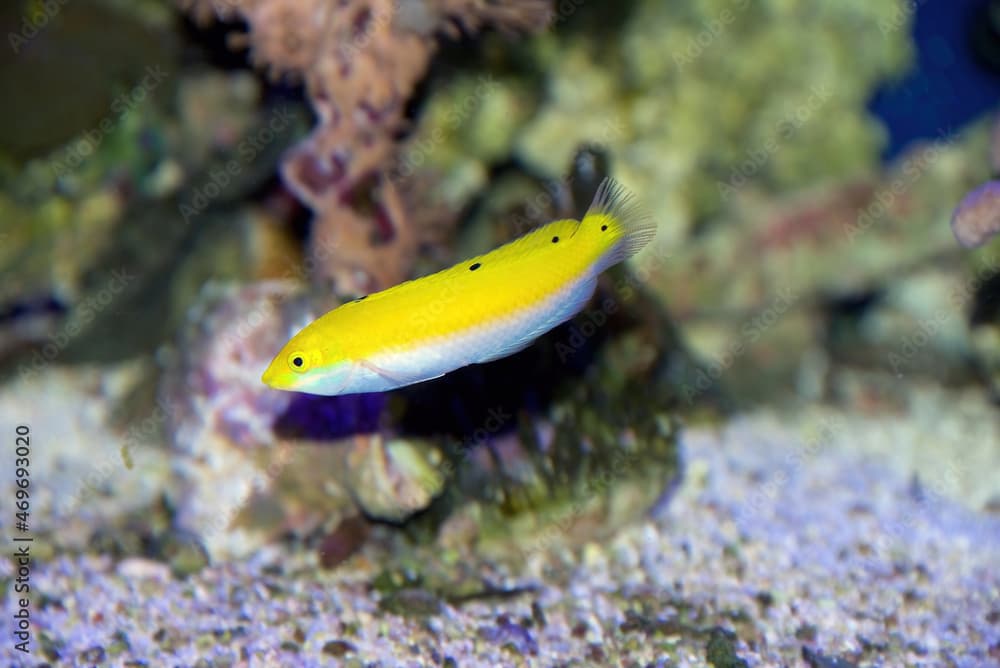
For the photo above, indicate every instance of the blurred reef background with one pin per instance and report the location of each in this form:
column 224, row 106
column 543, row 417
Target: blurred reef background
column 771, row 439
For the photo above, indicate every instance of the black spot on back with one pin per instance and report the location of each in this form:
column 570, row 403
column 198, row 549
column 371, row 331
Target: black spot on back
column 473, row 267
column 361, row 298
column 603, row 227
column 555, row 240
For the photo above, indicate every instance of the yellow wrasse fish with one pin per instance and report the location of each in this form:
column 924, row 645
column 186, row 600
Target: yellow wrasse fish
column 480, row 310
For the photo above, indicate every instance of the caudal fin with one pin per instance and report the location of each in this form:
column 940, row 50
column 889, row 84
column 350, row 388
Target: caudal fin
column 615, row 211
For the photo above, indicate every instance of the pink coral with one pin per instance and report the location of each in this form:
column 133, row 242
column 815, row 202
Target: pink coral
column 360, row 60
column 362, row 252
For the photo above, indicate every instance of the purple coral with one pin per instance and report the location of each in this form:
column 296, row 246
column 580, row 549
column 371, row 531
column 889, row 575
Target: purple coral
column 977, row 217
column 218, row 412
column 214, row 387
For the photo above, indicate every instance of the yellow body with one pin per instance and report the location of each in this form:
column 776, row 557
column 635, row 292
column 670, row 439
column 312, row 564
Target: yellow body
column 510, row 278
column 477, row 310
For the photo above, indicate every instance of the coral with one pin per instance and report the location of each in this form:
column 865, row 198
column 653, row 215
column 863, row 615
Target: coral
column 466, row 128
column 711, row 97
column 107, row 202
column 884, row 222
column 362, row 249
column 763, row 274
column 250, row 461
column 995, row 147
column 392, row 480
column 697, row 122
column 977, row 217
column 219, row 416
column 520, row 437
column 66, row 170
column 360, row 62
column 94, row 52
column 77, row 453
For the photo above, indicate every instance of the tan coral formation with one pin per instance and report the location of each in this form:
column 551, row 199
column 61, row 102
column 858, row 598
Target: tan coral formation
column 359, row 60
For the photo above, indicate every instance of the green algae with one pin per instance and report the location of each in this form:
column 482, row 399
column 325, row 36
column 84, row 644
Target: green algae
column 702, row 100
column 720, row 651
column 338, row 648
column 715, row 111
column 411, row 602
column 698, row 84
column 92, row 53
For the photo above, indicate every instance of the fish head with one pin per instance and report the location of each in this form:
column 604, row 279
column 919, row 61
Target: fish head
column 311, row 364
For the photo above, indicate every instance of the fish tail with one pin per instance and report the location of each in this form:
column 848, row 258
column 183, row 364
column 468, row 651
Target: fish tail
column 619, row 222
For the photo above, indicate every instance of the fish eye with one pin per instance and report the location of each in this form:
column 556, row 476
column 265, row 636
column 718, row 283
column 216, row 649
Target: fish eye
column 297, row 361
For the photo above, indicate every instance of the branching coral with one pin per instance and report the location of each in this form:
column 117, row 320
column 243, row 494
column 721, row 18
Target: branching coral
column 360, row 60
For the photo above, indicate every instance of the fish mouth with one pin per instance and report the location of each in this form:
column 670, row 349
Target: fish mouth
column 271, row 377
column 331, row 381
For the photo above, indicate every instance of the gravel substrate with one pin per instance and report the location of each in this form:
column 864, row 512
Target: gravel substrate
column 780, row 548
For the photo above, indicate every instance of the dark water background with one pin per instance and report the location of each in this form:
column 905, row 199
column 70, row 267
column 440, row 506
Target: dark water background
column 951, row 83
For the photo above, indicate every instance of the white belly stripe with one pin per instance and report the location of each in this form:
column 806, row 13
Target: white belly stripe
column 482, row 343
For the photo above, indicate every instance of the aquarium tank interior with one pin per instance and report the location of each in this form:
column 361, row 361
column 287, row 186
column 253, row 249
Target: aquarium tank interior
column 556, row 333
